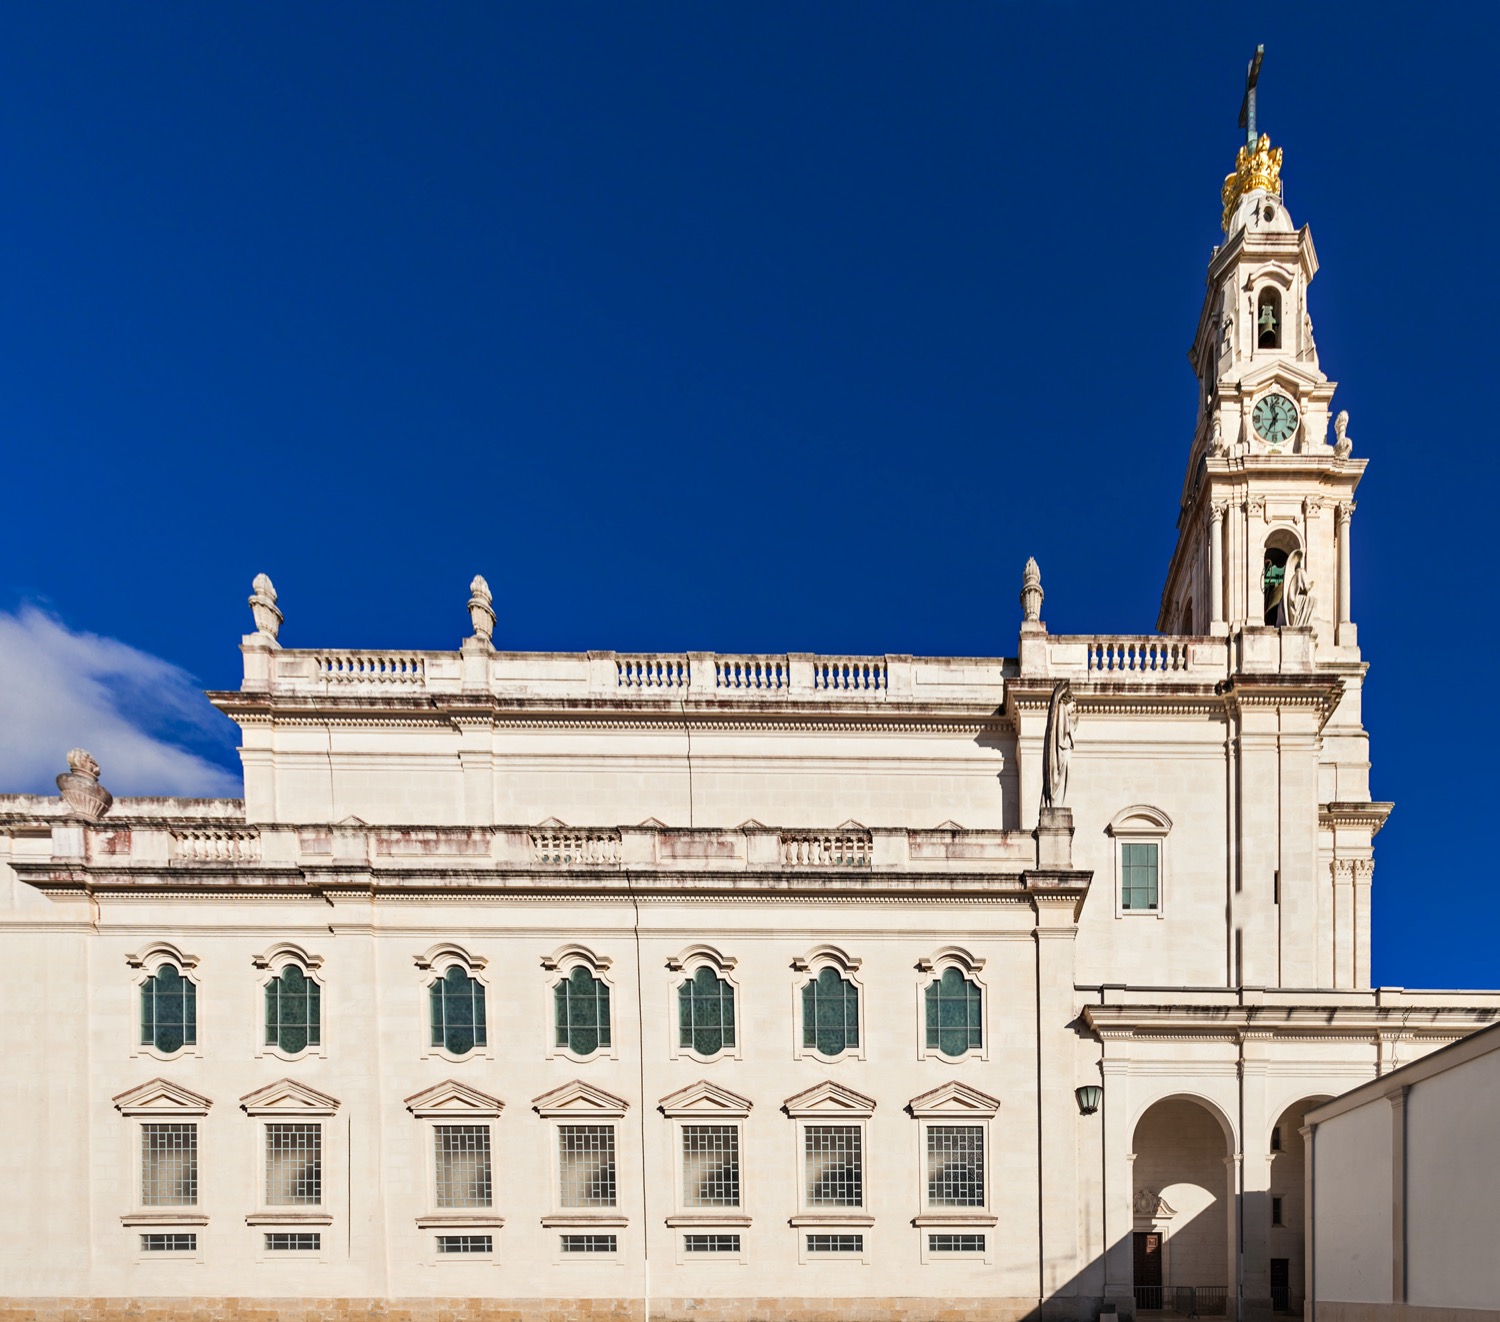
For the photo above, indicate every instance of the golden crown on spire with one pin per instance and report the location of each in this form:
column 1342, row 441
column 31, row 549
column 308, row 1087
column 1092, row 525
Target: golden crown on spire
column 1260, row 168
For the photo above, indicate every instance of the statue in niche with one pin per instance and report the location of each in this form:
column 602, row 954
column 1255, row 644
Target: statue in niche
column 263, row 607
column 481, row 609
column 1062, row 720
column 1216, row 438
column 1298, row 593
column 1273, row 584
column 1342, row 445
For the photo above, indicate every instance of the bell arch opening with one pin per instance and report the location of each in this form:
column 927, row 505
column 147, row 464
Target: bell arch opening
column 1268, row 319
column 1278, row 550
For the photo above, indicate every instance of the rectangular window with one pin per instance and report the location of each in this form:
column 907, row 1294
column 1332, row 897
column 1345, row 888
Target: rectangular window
column 955, row 1243
column 588, row 1244
column 1138, row 875
column 711, row 1243
column 835, row 1165
column 1276, row 1212
column 465, row 1244
column 835, row 1243
column 293, row 1241
column 169, row 1165
column 294, row 1165
column 587, row 1161
column 710, row 1166
column 463, row 1166
column 169, row 1243
column 955, row 1166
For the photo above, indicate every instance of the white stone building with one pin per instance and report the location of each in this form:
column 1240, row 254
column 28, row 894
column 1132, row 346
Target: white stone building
column 573, row 985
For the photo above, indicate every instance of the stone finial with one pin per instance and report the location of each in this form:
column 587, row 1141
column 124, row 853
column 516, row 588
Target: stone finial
column 481, row 609
column 80, row 788
column 263, row 607
column 1342, row 445
column 1031, row 592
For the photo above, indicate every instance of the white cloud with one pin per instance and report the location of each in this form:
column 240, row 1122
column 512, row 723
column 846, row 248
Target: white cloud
column 133, row 711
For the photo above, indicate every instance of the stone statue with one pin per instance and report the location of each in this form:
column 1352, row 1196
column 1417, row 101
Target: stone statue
column 263, row 607
column 1299, row 595
column 1216, row 438
column 1342, row 445
column 1062, row 720
column 80, row 788
column 1031, row 592
column 481, row 609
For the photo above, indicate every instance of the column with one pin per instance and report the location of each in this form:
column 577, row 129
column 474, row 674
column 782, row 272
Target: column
column 1255, row 1177
column 1364, row 871
column 1345, row 518
column 1119, row 1183
column 1055, row 932
column 1216, row 565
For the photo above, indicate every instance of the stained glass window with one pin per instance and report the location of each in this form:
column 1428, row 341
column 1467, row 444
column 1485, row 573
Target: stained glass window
column 169, row 1010
column 705, row 1013
column 582, row 1003
column 457, row 1012
column 954, row 1017
column 830, row 1013
column 293, row 1011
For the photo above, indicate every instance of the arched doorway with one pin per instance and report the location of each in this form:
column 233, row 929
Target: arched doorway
column 1182, row 1195
column 1286, row 1235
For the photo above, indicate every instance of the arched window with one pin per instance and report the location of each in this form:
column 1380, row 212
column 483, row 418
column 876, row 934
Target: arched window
column 830, row 1013
column 582, row 1003
column 705, row 1013
column 1268, row 320
column 169, row 1010
column 955, row 1018
column 457, row 1012
column 293, row 1011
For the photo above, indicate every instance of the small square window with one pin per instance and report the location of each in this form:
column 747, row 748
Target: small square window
column 589, row 1244
column 169, row 1243
column 835, row 1243
column 458, row 1245
column 711, row 1243
column 953, row 1243
column 293, row 1241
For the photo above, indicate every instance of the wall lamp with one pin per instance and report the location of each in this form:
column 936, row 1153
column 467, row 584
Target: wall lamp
column 1089, row 1096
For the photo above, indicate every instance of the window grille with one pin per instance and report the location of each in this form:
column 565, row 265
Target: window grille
column 711, row 1243
column 458, row 1012
column 587, row 1154
column 955, row 1243
column 954, row 1017
column 835, row 1165
column 463, row 1165
column 588, row 1244
column 955, row 1166
column 705, row 1013
column 830, row 1013
column 465, row 1243
column 1138, row 875
column 293, row 1011
column 710, row 1166
column 169, row 1165
column 169, row 1010
column 294, row 1165
column 582, row 1003
column 169, row 1243
column 293, row 1241
column 835, row 1243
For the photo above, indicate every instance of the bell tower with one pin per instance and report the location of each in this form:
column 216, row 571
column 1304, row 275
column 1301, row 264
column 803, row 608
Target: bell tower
column 1264, row 523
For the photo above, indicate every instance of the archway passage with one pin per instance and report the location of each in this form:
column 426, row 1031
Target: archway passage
column 1286, row 1237
column 1181, row 1197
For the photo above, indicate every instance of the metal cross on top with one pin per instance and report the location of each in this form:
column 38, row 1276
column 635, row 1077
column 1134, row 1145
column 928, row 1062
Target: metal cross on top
column 1247, row 106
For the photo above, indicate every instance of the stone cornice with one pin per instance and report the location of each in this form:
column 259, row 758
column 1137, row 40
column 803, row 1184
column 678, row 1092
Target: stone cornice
column 1229, row 1021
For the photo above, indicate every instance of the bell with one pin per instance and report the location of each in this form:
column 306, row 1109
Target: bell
column 1267, row 319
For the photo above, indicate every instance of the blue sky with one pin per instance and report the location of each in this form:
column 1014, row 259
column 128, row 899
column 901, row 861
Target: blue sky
column 729, row 327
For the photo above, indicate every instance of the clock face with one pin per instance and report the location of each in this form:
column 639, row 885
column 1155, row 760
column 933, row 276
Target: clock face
column 1275, row 419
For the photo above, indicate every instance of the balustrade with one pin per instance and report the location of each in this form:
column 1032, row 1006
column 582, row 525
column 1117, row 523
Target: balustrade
column 576, row 848
column 825, row 849
column 1136, row 657
column 850, row 674
column 652, row 672
column 216, row 845
column 371, row 667
column 757, row 674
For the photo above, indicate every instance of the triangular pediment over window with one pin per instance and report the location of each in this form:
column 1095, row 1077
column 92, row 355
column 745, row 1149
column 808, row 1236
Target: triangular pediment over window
column 954, row 1099
column 829, row 1098
column 288, row 1097
column 160, row 1097
column 451, row 1098
column 580, row 1099
column 705, row 1099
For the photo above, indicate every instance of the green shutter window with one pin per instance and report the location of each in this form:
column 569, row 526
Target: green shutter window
column 457, row 1002
column 1138, row 871
column 582, row 1005
column 830, row 1013
column 169, row 1010
column 954, row 1015
column 293, row 1011
column 705, row 1013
